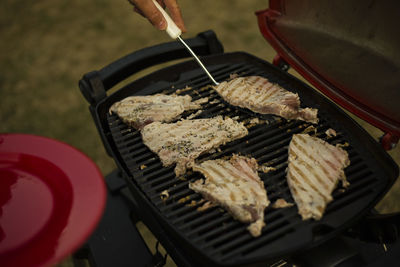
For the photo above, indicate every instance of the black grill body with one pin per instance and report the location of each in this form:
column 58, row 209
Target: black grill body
column 213, row 237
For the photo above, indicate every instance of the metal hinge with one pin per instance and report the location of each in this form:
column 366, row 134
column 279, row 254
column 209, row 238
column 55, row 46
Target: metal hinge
column 280, row 63
column 389, row 141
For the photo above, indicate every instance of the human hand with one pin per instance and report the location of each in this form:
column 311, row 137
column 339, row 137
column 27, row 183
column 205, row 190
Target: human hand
column 148, row 10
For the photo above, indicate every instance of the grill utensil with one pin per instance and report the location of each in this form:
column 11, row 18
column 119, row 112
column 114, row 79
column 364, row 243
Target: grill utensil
column 175, row 33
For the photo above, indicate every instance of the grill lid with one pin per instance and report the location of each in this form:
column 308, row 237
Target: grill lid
column 346, row 49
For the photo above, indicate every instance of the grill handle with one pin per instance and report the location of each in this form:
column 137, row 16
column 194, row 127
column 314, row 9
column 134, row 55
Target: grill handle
column 94, row 84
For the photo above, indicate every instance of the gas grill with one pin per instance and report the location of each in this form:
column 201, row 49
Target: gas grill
column 213, row 237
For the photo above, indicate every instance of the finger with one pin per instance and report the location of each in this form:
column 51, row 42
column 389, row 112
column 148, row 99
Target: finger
column 175, row 13
column 150, row 11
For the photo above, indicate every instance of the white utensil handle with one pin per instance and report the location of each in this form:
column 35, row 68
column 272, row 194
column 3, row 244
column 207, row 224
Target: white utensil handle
column 173, row 31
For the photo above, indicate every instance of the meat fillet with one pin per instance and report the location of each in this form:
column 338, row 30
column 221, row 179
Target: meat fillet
column 182, row 142
column 261, row 96
column 137, row 111
column 235, row 185
column 314, row 170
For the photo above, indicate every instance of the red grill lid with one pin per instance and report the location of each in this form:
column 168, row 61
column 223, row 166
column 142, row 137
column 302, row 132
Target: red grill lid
column 347, row 49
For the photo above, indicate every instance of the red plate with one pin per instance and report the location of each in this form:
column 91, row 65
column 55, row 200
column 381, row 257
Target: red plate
column 51, row 198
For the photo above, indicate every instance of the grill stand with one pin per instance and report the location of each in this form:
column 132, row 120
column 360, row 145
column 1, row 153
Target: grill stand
column 117, row 242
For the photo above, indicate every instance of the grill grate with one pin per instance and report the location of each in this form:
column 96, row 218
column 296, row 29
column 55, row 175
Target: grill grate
column 213, row 231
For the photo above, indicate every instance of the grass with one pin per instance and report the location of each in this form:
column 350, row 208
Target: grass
column 48, row 45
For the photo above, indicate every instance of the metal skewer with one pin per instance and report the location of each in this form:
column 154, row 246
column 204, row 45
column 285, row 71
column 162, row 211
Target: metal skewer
column 198, row 61
column 175, row 33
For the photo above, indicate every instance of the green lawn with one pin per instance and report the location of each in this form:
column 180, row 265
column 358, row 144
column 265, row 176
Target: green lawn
column 46, row 46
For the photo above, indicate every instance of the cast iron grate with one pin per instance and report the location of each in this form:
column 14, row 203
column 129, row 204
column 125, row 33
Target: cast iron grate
column 213, row 231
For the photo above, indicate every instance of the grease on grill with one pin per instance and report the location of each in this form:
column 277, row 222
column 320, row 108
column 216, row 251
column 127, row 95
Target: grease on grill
column 310, row 129
column 345, row 144
column 214, row 101
column 281, row 203
column 184, row 199
column 330, row 133
column 164, row 195
column 207, row 205
column 193, row 115
column 180, row 91
column 265, row 168
column 254, row 121
column 192, row 203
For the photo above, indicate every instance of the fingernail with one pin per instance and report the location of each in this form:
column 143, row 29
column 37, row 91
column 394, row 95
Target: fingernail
column 162, row 25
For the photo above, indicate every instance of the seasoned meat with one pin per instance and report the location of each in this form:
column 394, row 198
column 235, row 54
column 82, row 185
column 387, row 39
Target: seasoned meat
column 314, row 169
column 259, row 95
column 182, row 142
column 137, row 111
column 235, row 185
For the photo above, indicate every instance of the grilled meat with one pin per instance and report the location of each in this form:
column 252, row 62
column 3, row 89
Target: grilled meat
column 182, row 142
column 281, row 203
column 314, row 169
column 259, row 95
column 330, row 133
column 137, row 111
column 236, row 186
